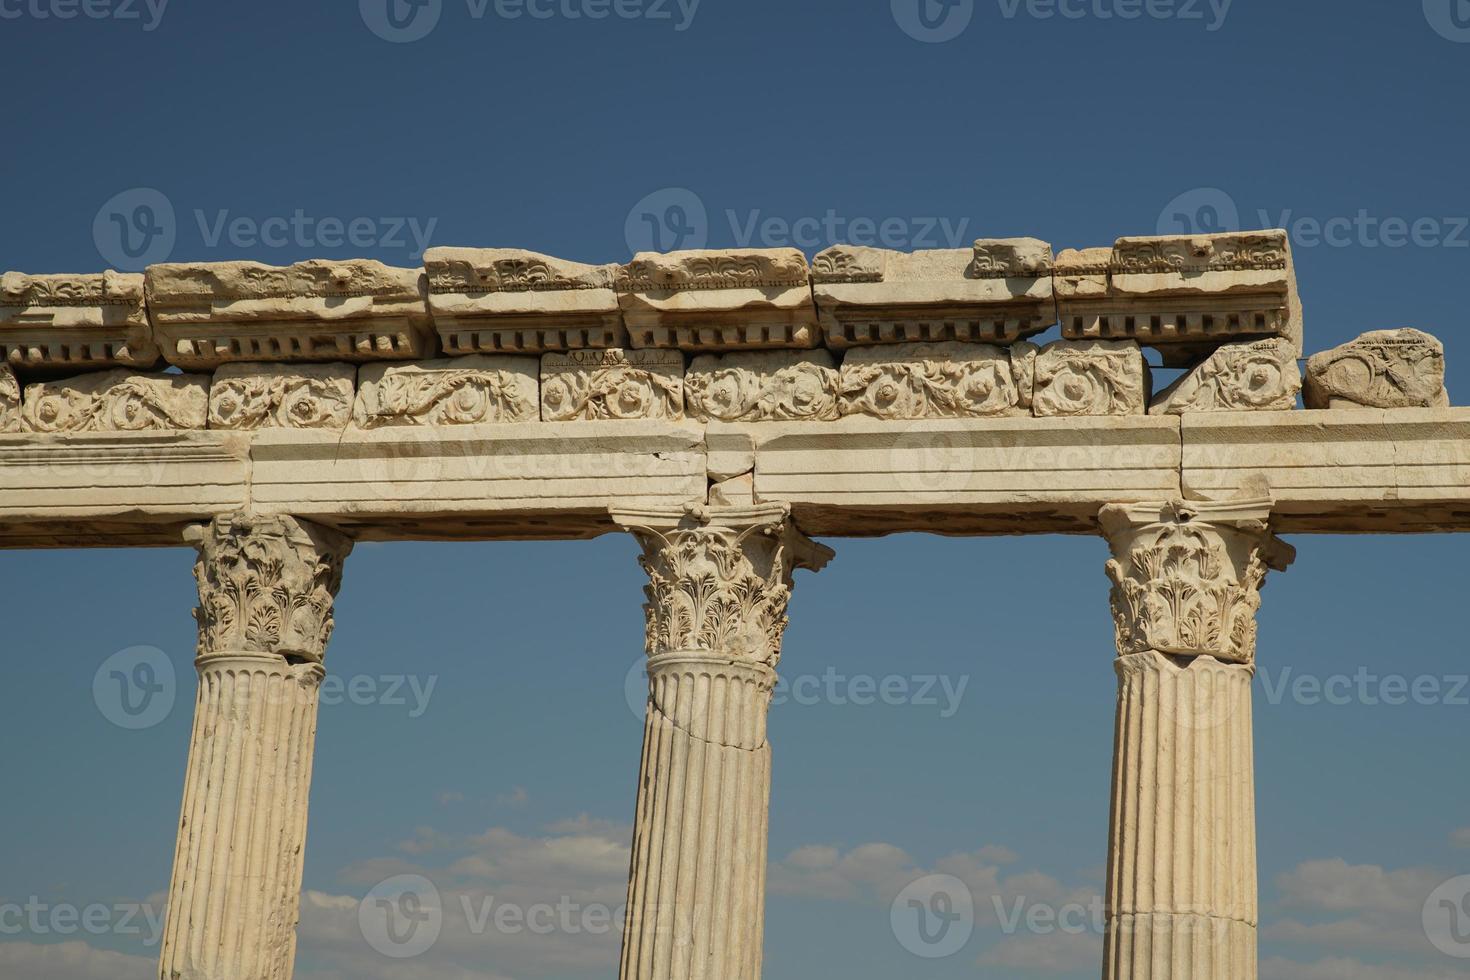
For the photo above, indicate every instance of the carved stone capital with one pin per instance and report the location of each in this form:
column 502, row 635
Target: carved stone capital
column 266, row 585
column 720, row 579
column 1187, row 576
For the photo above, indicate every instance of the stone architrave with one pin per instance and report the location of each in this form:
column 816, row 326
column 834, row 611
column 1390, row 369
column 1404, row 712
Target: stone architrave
column 1181, row 891
column 763, row 386
column 1097, row 377
column 479, row 389
column 719, row 584
column 1381, row 369
column 266, row 589
column 930, row 381
column 210, row 313
column 118, row 401
column 75, row 322
column 1261, row 376
column 996, row 292
column 509, row 300
column 745, row 299
column 282, row 396
column 612, row 384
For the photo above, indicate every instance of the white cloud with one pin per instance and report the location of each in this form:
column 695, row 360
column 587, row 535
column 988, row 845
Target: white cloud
column 1365, row 907
column 1059, row 952
column 72, row 961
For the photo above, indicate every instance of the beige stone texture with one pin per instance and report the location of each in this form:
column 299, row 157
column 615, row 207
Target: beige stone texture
column 74, row 322
column 1381, row 369
column 509, row 300
column 612, row 384
column 210, row 313
column 10, row 418
column 1260, row 376
column 762, row 386
column 998, row 291
column 291, row 396
column 1023, row 371
column 1184, row 295
column 746, row 299
column 922, row 381
column 737, row 491
column 1097, row 377
column 117, row 401
column 479, row 389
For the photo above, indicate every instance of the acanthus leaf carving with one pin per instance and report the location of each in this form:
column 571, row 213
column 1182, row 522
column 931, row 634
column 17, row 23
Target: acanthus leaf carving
column 1380, row 369
column 1259, row 376
column 612, row 384
column 849, row 263
column 1008, row 258
column 922, row 381
column 249, row 396
column 117, row 401
column 10, row 417
column 763, row 387
column 1090, row 378
column 1235, row 252
column 696, row 270
column 474, row 390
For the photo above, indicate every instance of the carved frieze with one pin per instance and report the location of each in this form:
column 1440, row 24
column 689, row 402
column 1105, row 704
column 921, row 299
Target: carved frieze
column 1011, row 258
column 10, row 420
column 75, row 321
column 117, row 401
column 266, row 585
column 720, row 579
column 1187, row 577
column 1381, row 369
column 929, row 381
column 1255, row 377
column 763, row 386
column 612, row 384
column 287, row 396
column 850, row 263
column 474, row 390
column 210, row 313
column 1090, row 378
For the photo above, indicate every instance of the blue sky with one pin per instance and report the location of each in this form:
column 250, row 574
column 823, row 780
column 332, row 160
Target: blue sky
column 481, row 734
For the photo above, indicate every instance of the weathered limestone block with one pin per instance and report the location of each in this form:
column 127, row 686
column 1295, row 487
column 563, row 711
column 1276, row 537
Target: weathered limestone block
column 75, row 322
column 762, row 386
column 10, row 418
column 998, row 291
column 475, row 390
column 492, row 300
column 266, row 591
column 1090, row 378
column 284, row 396
column 210, row 313
column 1184, row 295
column 746, row 299
column 720, row 582
column 1381, row 369
column 612, row 384
column 929, row 381
column 1256, row 377
column 117, row 401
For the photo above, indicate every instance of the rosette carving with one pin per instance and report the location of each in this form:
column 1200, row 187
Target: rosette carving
column 117, row 401
column 762, row 387
column 1090, row 378
column 1187, row 578
column 462, row 391
column 1380, row 369
column 921, row 381
column 612, row 385
column 1261, row 376
column 266, row 584
column 10, row 420
column 254, row 397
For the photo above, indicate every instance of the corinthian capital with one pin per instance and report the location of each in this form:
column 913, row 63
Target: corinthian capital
column 720, row 578
column 1187, row 576
column 266, row 585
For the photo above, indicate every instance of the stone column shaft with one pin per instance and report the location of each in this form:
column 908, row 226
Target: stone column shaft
column 1181, row 893
column 265, row 616
column 719, row 587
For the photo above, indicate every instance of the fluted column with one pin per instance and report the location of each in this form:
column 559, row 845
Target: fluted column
column 266, row 586
column 1181, row 901
column 719, row 583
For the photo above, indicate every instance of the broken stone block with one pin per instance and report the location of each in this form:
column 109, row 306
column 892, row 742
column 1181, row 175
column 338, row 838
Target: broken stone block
column 74, row 322
column 282, row 396
column 117, row 401
column 1096, row 377
column 929, row 381
column 1381, row 369
column 612, row 384
column 480, row 389
column 762, row 387
column 1256, row 377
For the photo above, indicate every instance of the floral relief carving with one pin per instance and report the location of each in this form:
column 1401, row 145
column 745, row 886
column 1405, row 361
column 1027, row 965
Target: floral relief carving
column 10, row 419
column 485, row 390
column 1261, row 376
column 300, row 397
column 612, row 384
column 1090, row 378
column 849, row 263
column 267, row 584
column 677, row 271
column 1224, row 253
column 1005, row 258
column 762, row 387
column 117, row 401
column 1381, row 369
column 920, row 381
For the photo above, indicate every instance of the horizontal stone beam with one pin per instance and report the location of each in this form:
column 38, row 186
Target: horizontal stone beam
column 1330, row 471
